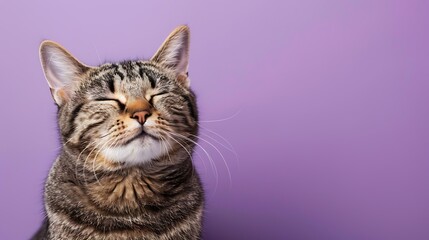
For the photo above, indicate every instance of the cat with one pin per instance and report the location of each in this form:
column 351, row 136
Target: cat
column 128, row 131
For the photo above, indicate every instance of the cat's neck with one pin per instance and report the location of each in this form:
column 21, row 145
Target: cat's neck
column 120, row 188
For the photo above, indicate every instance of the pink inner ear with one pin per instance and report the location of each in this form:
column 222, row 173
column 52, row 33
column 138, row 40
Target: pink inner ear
column 183, row 79
column 60, row 95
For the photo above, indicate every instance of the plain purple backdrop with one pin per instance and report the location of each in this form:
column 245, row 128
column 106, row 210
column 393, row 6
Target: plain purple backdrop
column 319, row 108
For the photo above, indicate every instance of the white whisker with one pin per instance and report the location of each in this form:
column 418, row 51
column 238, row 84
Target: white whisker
column 96, row 52
column 189, row 154
column 115, row 140
column 222, row 119
column 78, row 158
column 212, row 163
column 89, row 154
column 230, row 148
column 164, row 145
column 221, row 155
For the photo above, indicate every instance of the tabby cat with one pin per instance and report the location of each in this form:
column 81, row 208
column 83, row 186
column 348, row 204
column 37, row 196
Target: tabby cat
column 128, row 131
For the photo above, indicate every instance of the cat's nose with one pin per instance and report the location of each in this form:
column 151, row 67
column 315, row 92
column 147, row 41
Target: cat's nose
column 139, row 109
column 141, row 116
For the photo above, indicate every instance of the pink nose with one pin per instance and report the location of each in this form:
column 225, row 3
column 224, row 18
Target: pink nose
column 141, row 116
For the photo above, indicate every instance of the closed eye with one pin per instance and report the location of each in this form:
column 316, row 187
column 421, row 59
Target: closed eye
column 158, row 94
column 120, row 104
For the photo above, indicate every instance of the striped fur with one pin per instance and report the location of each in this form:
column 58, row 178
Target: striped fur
column 116, row 177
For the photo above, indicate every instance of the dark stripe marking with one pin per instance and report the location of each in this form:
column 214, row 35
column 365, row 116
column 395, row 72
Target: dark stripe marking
column 191, row 107
column 73, row 116
column 119, row 73
column 111, row 83
column 151, row 80
column 142, row 74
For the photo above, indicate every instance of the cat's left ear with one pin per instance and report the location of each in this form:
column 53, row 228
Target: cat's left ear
column 62, row 71
column 174, row 53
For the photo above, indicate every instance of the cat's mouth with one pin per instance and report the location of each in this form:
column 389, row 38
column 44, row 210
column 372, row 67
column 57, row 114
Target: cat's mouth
column 141, row 136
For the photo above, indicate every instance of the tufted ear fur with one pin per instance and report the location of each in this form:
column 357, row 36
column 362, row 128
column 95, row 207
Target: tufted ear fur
column 174, row 53
column 61, row 69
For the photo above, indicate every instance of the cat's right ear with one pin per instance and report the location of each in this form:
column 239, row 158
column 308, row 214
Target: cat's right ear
column 61, row 69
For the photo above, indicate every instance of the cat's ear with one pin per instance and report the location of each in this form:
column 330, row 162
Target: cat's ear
column 61, row 69
column 174, row 53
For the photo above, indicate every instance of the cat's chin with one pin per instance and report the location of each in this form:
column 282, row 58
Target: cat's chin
column 140, row 150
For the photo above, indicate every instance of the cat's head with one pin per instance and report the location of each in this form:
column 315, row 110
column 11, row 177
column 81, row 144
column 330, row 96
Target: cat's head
column 129, row 112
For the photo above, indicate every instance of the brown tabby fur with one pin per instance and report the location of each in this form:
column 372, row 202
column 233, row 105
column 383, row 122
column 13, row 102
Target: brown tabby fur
column 116, row 179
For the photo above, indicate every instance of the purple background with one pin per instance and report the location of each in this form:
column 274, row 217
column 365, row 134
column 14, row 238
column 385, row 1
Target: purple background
column 324, row 102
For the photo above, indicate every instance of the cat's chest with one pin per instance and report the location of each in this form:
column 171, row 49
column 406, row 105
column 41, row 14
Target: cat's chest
column 122, row 193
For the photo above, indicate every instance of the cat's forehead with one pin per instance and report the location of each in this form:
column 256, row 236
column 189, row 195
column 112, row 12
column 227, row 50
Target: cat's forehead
column 129, row 77
column 130, row 70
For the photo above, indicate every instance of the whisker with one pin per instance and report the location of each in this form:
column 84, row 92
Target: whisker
column 64, row 144
column 189, row 154
column 96, row 52
column 212, row 163
column 200, row 157
column 230, row 149
column 164, row 144
column 221, row 155
column 98, row 152
column 222, row 119
column 78, row 158
column 180, row 145
column 89, row 154
column 80, row 154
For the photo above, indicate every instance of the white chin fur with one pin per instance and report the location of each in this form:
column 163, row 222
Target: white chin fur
column 136, row 152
